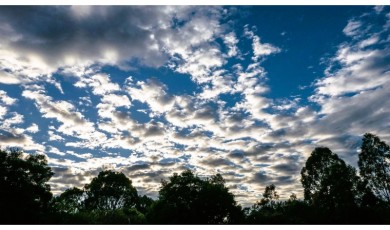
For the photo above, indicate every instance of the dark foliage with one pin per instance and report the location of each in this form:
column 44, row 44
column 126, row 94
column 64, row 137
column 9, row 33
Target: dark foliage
column 374, row 165
column 110, row 191
column 269, row 210
column 24, row 192
column 187, row 199
column 70, row 202
column 144, row 204
column 330, row 185
column 110, row 198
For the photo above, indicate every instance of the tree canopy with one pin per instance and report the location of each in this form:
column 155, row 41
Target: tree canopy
column 109, row 198
column 71, row 201
column 329, row 183
column 109, row 191
column 374, row 166
column 187, row 199
column 24, row 193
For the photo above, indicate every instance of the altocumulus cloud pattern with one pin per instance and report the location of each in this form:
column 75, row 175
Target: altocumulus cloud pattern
column 247, row 92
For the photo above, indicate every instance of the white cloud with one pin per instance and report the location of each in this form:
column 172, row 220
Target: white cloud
column 14, row 119
column 56, row 151
column 63, row 111
column 110, row 102
column 152, row 92
column 201, row 62
column 231, row 41
column 262, row 49
column 352, row 28
column 54, row 137
column 73, row 123
column 378, row 9
column 362, row 70
column 86, row 101
column 33, row 128
column 369, row 41
column 100, row 83
column 3, row 111
column 5, row 99
column 82, row 156
column 9, row 79
column 259, row 49
column 221, row 82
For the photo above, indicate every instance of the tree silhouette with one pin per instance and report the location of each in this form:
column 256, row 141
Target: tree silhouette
column 109, row 198
column 71, row 201
column 269, row 210
column 24, row 192
column 110, row 191
column 144, row 204
column 374, row 165
column 329, row 184
column 293, row 197
column 270, row 195
column 187, row 199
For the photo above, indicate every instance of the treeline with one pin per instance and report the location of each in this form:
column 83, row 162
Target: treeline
column 334, row 193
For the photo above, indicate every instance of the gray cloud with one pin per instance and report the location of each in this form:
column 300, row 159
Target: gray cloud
column 238, row 154
column 262, row 178
column 285, row 180
column 266, row 179
column 153, row 129
column 65, row 177
column 288, row 168
column 86, row 32
column 138, row 167
column 206, row 113
column 51, row 108
column 217, row 162
column 7, row 137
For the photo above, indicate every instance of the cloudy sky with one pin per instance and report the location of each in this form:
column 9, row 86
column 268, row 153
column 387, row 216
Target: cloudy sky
column 247, row 92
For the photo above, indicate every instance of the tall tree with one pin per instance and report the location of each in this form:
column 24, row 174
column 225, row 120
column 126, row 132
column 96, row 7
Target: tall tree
column 329, row 184
column 144, row 204
column 24, row 192
column 264, row 211
column 187, row 199
column 374, row 165
column 71, row 201
column 110, row 191
column 270, row 195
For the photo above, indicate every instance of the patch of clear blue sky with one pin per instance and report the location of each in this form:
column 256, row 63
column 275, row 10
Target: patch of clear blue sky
column 305, row 34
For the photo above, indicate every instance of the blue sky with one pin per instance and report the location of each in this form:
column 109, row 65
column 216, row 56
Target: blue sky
column 245, row 91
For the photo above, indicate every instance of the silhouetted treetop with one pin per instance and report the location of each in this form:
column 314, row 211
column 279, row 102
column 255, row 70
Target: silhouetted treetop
column 71, row 201
column 327, row 181
column 187, row 199
column 109, row 191
column 374, row 165
column 24, row 192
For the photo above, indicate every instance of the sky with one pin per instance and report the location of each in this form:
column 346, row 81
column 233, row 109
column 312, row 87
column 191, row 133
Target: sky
column 244, row 91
